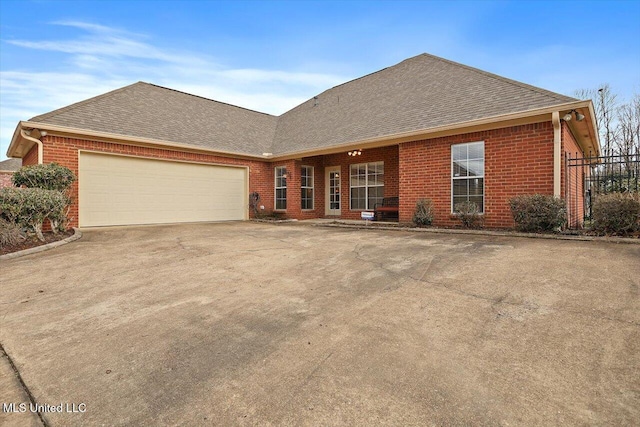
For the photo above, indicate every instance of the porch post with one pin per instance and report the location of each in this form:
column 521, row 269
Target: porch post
column 557, row 153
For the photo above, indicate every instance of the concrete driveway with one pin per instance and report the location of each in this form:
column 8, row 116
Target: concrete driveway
column 257, row 324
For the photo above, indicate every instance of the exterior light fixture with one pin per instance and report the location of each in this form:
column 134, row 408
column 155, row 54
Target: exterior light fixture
column 355, row 153
column 567, row 117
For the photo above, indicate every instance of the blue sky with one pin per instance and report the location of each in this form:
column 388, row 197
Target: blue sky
column 270, row 56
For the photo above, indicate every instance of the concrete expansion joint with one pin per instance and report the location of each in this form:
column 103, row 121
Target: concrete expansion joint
column 23, row 385
column 502, row 300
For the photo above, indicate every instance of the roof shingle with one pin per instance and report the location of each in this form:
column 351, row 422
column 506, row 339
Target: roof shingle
column 11, row 165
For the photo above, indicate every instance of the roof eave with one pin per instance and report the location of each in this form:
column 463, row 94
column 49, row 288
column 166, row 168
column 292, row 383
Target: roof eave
column 113, row 137
column 492, row 122
column 16, row 139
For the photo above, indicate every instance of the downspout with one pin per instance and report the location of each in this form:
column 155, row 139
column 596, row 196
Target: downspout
column 37, row 141
column 557, row 153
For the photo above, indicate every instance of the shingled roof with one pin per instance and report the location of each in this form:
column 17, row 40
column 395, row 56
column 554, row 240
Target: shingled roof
column 10, row 165
column 155, row 112
column 419, row 93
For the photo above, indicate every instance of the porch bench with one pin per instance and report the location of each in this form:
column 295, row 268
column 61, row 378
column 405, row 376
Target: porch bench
column 388, row 207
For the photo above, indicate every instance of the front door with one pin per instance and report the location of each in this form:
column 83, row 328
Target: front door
column 332, row 185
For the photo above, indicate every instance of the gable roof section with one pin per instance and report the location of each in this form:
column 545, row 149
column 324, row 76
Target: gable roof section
column 419, row 93
column 10, row 165
column 149, row 111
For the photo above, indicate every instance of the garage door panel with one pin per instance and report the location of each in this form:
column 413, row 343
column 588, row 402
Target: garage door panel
column 118, row 190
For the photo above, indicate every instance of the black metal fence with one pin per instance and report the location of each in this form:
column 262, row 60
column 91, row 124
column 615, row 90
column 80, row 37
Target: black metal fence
column 590, row 176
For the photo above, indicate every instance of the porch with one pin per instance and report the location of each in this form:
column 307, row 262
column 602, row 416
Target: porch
column 336, row 186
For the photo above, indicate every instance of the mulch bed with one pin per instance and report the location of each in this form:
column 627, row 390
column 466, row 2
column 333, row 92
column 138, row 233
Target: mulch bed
column 32, row 242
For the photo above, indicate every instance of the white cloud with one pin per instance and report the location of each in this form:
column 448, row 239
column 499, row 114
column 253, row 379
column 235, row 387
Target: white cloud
column 100, row 58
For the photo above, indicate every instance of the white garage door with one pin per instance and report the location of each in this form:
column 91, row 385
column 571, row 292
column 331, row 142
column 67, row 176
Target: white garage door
column 119, row 190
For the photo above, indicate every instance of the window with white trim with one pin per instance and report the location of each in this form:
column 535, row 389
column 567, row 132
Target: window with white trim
column 367, row 185
column 467, row 174
column 281, row 187
column 306, row 187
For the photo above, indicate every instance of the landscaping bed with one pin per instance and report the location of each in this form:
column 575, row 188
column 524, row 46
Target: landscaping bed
column 32, row 242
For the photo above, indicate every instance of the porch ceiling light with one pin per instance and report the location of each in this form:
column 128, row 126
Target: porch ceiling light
column 355, row 153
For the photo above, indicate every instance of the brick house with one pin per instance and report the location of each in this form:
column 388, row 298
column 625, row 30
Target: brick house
column 7, row 169
column 424, row 128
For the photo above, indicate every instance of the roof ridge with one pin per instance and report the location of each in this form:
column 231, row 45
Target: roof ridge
column 207, row 99
column 351, row 81
column 498, row 77
column 81, row 103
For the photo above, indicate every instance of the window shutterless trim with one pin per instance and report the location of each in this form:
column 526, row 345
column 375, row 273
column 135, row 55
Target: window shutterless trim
column 311, row 171
column 276, row 188
column 466, row 178
column 366, row 185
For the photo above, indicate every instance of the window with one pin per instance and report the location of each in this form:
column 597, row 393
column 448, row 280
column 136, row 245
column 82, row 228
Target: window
column 306, row 185
column 281, row 187
column 467, row 174
column 367, row 185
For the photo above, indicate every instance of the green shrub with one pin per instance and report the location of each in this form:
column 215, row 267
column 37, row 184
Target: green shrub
column 423, row 214
column 48, row 177
column 616, row 213
column 29, row 207
column 10, row 233
column 538, row 212
column 469, row 214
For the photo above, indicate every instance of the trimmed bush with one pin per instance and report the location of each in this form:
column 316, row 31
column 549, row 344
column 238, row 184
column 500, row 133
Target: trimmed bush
column 538, row 212
column 616, row 213
column 10, row 233
column 423, row 214
column 29, row 207
column 469, row 214
column 59, row 215
column 48, row 177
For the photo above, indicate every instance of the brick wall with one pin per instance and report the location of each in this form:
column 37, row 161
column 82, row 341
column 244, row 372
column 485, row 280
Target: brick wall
column 518, row 160
column 5, row 179
column 32, row 157
column 64, row 151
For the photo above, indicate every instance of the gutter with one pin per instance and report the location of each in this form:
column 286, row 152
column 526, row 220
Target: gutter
column 502, row 120
column 26, row 136
column 116, row 138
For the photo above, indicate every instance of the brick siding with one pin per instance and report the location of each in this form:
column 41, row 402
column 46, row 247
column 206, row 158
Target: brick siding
column 518, row 160
column 31, row 158
column 5, row 179
column 64, row 151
